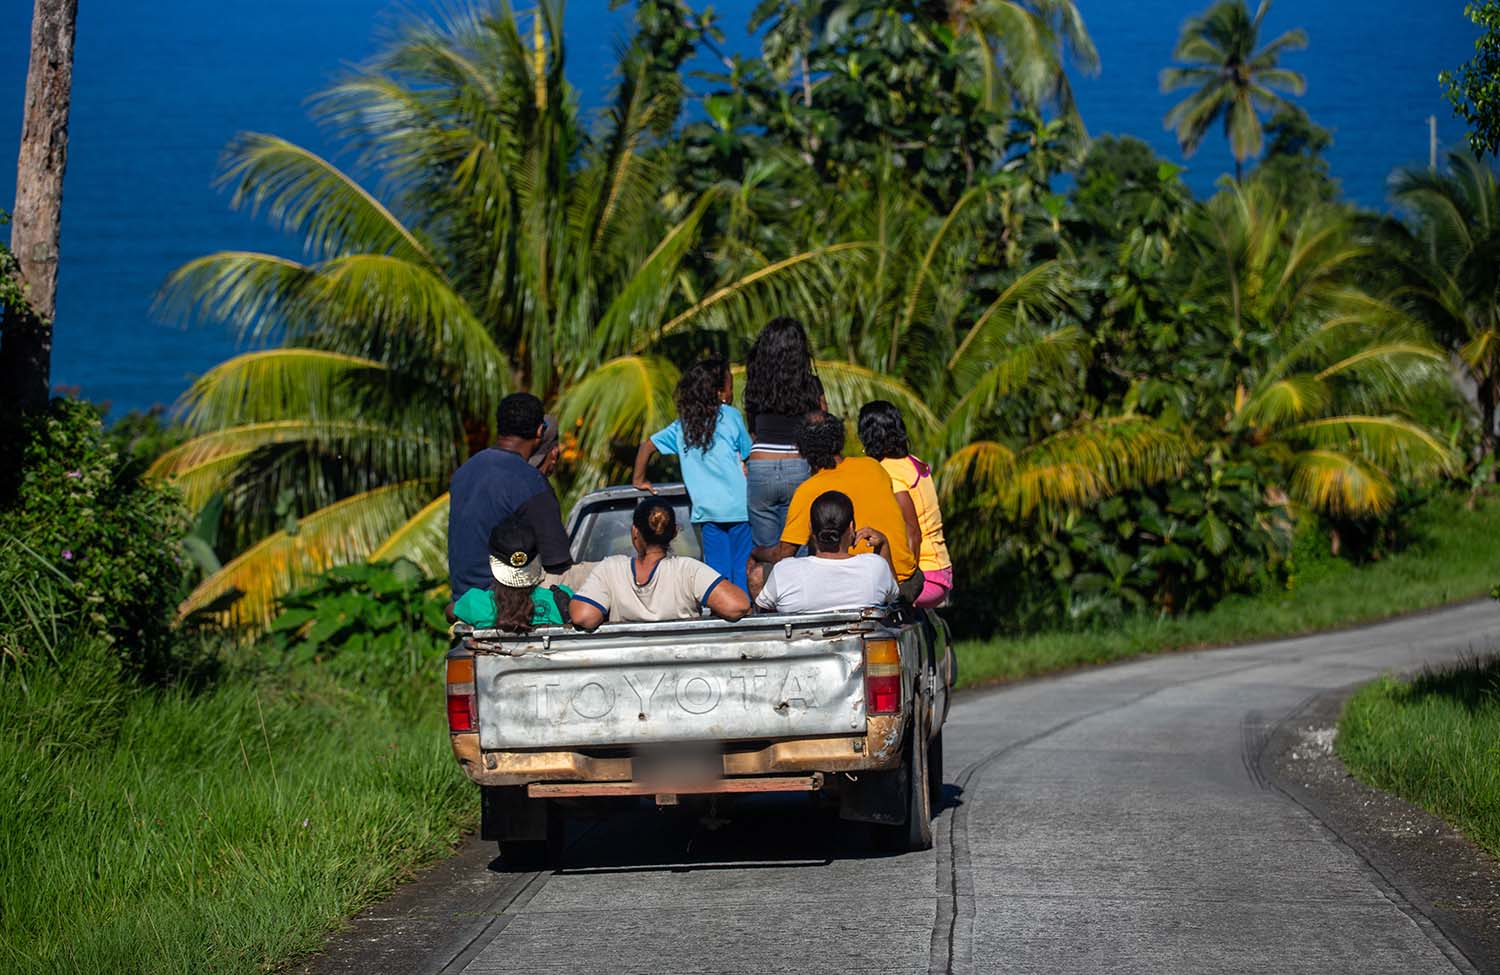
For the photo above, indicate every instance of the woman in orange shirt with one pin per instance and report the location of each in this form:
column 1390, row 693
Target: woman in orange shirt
column 883, row 433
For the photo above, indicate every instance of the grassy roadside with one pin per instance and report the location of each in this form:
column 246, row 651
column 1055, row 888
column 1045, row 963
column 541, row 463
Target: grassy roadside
column 226, row 831
column 1452, row 559
column 1434, row 741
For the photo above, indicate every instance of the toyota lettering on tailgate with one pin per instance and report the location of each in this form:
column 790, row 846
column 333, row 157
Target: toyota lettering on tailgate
column 648, row 693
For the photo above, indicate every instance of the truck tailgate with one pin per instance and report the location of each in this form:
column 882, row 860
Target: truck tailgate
column 632, row 690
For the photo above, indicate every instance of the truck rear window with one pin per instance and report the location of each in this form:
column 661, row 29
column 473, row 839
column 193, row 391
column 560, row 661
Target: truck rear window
column 604, row 530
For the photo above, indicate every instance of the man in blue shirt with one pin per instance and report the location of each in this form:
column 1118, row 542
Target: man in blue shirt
column 495, row 484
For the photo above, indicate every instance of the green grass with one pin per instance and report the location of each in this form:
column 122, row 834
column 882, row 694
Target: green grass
column 1434, row 741
column 1452, row 559
column 224, row 831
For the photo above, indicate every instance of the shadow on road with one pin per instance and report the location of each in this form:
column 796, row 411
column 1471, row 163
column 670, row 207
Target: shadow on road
column 751, row 832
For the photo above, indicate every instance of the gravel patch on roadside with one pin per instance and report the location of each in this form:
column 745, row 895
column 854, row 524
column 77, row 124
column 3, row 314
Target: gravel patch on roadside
column 1442, row 877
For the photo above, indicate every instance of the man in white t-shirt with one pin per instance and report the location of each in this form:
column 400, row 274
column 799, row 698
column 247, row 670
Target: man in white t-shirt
column 832, row 578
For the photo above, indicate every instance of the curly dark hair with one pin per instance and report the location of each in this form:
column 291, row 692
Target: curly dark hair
column 821, row 441
column 513, row 608
column 698, row 401
column 779, row 376
column 656, row 521
column 519, row 415
column 883, row 431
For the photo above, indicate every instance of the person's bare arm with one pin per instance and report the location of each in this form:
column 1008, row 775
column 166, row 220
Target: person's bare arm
column 913, row 526
column 728, row 602
column 642, row 458
column 772, row 554
column 585, row 616
column 876, row 540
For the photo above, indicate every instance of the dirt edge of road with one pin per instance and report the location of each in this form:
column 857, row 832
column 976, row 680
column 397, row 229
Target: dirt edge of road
column 1447, row 885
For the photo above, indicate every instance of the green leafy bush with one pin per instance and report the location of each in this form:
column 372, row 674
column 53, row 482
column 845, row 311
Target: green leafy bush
column 376, row 623
column 96, row 551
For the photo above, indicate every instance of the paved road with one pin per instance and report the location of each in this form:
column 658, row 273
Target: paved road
column 1109, row 821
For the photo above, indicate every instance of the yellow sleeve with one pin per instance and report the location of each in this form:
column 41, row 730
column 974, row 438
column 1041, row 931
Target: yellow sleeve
column 798, row 527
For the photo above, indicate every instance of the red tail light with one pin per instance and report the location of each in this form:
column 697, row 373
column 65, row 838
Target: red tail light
column 882, row 677
column 461, row 704
column 461, row 713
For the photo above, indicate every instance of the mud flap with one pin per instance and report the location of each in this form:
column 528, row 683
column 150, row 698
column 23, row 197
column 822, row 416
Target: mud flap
column 506, row 814
column 875, row 797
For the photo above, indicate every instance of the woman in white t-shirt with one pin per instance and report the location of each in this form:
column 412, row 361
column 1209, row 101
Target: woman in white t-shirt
column 832, row 578
column 654, row 584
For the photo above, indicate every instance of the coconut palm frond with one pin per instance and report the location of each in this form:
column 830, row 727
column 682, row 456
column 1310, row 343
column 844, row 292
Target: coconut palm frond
column 1070, row 469
column 307, row 195
column 246, row 290
column 271, row 384
column 849, row 387
column 1284, row 401
column 786, row 285
column 980, row 468
column 204, row 465
column 1341, row 485
column 641, row 301
column 1040, row 292
column 1094, row 459
column 346, row 531
column 1394, row 444
column 1043, row 357
column 618, row 404
column 423, row 540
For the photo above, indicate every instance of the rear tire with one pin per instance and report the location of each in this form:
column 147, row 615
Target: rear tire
column 916, row 833
column 935, row 772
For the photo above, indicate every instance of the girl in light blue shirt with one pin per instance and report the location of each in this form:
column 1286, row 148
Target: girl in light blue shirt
column 711, row 440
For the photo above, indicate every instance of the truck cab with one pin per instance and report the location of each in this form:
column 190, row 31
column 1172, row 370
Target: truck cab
column 848, row 704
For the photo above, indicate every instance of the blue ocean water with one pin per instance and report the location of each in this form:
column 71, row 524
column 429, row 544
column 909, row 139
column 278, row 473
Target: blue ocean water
column 161, row 85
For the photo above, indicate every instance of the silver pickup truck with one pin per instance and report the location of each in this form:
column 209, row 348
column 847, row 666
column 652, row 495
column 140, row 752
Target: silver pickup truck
column 848, row 704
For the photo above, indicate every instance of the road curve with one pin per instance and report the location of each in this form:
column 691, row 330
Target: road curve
column 1113, row 820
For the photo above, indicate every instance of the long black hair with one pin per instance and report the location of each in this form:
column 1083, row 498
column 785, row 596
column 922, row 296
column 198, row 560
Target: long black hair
column 698, row 401
column 779, row 375
column 513, row 608
column 882, row 431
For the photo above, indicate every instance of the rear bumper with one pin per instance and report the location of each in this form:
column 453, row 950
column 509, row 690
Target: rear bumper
column 878, row 748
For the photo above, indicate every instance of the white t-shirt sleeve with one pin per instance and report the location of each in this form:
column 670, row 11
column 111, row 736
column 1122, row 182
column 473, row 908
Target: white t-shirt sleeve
column 883, row 581
column 596, row 588
column 701, row 579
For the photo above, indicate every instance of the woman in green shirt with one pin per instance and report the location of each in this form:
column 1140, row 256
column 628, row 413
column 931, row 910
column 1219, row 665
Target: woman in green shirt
column 517, row 601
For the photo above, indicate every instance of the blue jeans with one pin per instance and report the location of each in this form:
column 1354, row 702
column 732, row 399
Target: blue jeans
column 769, row 487
column 726, row 548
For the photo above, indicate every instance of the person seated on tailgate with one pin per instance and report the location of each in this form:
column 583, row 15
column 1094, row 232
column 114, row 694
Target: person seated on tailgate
column 863, row 481
column 835, row 578
column 517, row 602
column 654, row 584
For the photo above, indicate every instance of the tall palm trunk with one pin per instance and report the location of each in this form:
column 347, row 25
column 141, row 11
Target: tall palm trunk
column 26, row 344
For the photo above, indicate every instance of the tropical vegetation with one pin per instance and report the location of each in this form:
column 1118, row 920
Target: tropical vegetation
column 1234, row 79
column 1158, row 420
column 1223, row 369
column 1474, row 89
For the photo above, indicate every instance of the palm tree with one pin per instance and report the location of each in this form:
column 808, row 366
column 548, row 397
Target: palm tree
column 1320, row 372
column 510, row 250
column 1450, row 253
column 1024, row 42
column 1234, row 81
